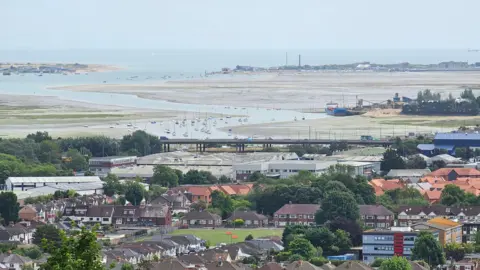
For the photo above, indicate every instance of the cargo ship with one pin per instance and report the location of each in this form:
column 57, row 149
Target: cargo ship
column 334, row 110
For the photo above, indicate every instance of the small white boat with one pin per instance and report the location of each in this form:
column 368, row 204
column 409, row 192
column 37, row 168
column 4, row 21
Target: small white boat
column 85, row 126
column 174, row 134
column 112, row 127
column 185, row 134
column 228, row 116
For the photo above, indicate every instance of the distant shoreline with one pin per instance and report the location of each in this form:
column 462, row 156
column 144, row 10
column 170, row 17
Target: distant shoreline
column 8, row 68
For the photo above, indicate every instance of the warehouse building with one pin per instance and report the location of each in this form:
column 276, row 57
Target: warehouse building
column 102, row 166
column 26, row 183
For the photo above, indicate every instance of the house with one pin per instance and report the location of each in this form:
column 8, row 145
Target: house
column 301, row 265
column 376, row 216
column 201, row 219
column 295, row 214
column 250, row 218
column 17, row 233
column 408, row 215
column 386, row 243
column 353, row 265
column 432, row 196
column 409, row 175
column 177, row 201
column 449, row 231
column 450, row 174
column 151, row 215
column 15, row 261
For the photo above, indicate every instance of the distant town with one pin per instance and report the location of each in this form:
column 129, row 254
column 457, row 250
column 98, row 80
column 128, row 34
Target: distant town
column 27, row 68
column 364, row 66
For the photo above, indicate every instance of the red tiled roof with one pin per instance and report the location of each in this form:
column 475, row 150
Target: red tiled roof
column 391, row 185
column 433, row 195
column 378, row 191
column 228, row 190
column 465, row 172
column 298, row 209
column 199, row 191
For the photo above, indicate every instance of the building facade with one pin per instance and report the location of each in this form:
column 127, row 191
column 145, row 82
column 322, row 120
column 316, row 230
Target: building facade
column 290, row 214
column 384, row 244
column 26, row 183
column 448, row 231
column 102, row 166
column 376, row 216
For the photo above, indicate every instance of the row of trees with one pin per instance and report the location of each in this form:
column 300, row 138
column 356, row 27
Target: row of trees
column 168, row 177
column 41, row 155
column 429, row 103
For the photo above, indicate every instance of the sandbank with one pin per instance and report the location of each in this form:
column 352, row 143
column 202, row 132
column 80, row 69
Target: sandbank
column 305, row 91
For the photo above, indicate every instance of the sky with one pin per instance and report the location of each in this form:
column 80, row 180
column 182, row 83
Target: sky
column 243, row 24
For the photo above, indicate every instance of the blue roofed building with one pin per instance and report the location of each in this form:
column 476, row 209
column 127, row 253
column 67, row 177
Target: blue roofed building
column 448, row 142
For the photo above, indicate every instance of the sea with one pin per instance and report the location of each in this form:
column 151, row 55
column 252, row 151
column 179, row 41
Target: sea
column 150, row 66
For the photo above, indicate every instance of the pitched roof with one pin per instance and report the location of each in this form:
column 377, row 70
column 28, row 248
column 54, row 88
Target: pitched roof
column 246, row 215
column 374, row 210
column 465, row 172
column 199, row 191
column 433, row 195
column 440, row 210
column 271, row 266
column 298, row 209
column 391, row 185
column 200, row 215
column 301, row 265
column 353, row 265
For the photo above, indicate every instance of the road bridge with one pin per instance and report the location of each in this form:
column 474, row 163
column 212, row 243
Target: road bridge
column 240, row 143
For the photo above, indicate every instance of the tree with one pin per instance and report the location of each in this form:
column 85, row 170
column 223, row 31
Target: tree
column 377, row 262
column 134, row 192
column 127, row 266
column 39, row 136
column 164, row 176
column 112, row 185
column 452, row 195
column 391, row 160
column 350, row 226
column 49, row 232
column 249, row 237
column 89, row 173
column 336, row 205
column 9, row 207
column 78, row 251
column 156, row 191
column 416, row 163
column 438, row 164
column 396, row 263
column 196, row 177
column 302, row 247
column 49, row 152
column 141, row 143
column 455, row 251
column 223, row 179
column 427, row 248
column 144, row 265
column 75, row 160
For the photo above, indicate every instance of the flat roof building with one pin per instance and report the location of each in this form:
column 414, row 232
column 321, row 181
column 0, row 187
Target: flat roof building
column 26, row 183
column 386, row 243
column 102, row 166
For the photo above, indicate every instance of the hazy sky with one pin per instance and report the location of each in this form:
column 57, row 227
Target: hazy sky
column 241, row 24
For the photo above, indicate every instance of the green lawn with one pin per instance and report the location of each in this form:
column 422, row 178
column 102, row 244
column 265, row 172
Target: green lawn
column 219, row 235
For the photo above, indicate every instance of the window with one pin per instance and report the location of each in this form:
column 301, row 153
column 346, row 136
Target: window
column 276, row 215
column 409, row 238
column 282, row 216
column 105, row 219
column 293, row 216
column 310, row 216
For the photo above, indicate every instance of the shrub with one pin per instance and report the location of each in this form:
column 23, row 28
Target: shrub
column 238, row 222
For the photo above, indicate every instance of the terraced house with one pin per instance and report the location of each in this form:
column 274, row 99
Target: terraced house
column 295, row 214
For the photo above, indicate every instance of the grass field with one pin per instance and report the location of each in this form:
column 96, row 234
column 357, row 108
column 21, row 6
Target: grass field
column 219, row 235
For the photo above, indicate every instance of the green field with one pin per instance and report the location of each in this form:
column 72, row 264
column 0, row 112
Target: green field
column 219, row 235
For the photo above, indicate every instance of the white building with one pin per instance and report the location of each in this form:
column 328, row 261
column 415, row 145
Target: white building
column 280, row 169
column 102, row 166
column 26, row 183
column 89, row 188
column 362, row 168
column 374, row 160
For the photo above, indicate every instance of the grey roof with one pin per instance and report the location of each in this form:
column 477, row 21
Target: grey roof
column 301, row 265
column 200, row 215
column 110, row 158
column 457, row 136
column 54, row 179
column 16, row 259
column 247, row 215
column 264, row 244
column 353, row 265
column 408, row 172
column 440, row 210
column 374, row 210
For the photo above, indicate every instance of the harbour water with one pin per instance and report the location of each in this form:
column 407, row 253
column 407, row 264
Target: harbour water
column 157, row 66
